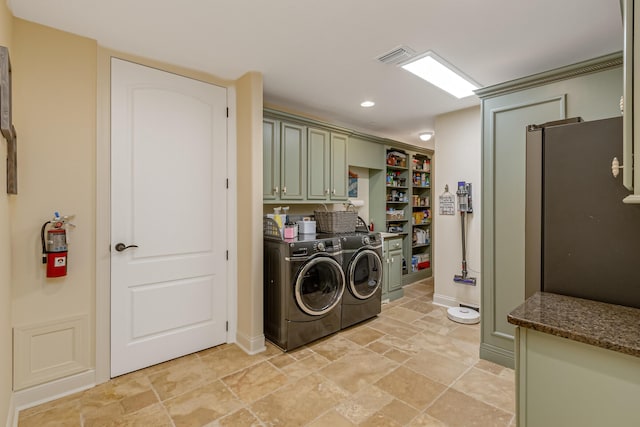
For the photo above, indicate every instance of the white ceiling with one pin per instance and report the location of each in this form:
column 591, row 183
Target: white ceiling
column 319, row 57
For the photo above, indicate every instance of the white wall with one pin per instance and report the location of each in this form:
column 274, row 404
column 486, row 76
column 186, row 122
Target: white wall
column 457, row 158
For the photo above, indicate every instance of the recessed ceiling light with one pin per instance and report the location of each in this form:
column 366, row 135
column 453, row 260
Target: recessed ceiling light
column 367, row 104
column 425, row 136
column 438, row 72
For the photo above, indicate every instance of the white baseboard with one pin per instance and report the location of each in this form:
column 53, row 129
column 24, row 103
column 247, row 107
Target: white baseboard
column 447, row 301
column 250, row 345
column 43, row 393
column 12, row 414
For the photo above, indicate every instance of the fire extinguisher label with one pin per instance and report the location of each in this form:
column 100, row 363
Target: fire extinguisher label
column 59, row 261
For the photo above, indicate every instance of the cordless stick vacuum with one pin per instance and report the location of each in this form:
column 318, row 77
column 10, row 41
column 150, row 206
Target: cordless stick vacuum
column 464, row 206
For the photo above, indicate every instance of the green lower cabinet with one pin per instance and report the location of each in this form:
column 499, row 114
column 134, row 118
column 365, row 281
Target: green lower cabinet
column 392, row 274
column 561, row 382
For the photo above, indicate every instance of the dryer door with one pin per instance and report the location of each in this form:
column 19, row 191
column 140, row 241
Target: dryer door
column 319, row 286
column 365, row 274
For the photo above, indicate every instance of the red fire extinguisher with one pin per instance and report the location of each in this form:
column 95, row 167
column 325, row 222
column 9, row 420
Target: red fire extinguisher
column 54, row 247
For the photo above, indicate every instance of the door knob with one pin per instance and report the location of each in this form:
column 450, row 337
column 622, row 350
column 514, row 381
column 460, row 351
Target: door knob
column 121, row 247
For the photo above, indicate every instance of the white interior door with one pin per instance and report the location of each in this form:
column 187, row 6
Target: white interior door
column 169, row 198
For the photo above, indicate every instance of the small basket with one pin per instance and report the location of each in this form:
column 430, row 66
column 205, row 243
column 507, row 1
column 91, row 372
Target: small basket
column 336, row 221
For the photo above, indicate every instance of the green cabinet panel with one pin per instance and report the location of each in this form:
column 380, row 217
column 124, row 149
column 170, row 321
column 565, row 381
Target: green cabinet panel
column 365, row 154
column 292, row 161
column 561, row 382
column 338, row 167
column 392, row 263
column 270, row 159
column 631, row 133
column 317, row 164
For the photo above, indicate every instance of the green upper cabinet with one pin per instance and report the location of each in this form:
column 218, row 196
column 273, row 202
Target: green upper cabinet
column 326, row 165
column 270, row 159
column 284, row 160
column 317, row 164
column 292, row 161
column 338, row 167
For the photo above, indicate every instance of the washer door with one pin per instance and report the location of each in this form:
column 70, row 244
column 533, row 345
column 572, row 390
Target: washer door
column 365, row 274
column 319, row 286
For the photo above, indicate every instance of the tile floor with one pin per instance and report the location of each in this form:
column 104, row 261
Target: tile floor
column 410, row 366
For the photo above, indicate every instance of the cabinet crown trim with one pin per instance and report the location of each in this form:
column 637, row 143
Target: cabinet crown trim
column 595, row 65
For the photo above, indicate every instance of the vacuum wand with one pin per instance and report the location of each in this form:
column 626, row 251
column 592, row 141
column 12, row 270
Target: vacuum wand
column 464, row 206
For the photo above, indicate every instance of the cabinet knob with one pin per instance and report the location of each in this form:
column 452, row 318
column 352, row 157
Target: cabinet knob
column 615, row 167
column 284, row 190
column 334, row 191
column 275, row 190
column 326, row 191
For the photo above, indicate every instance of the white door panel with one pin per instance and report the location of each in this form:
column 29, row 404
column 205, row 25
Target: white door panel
column 168, row 194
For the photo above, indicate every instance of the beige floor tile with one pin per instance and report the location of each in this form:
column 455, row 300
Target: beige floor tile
column 419, row 305
column 488, row 388
column 394, row 327
column 379, row 347
column 154, row 415
column 255, row 382
column 403, row 314
column 103, row 416
column 446, row 346
column 357, row 369
column 113, row 391
column 411, row 387
column 70, row 402
column 469, row 333
column 63, row 415
column 181, row 378
column 282, row 360
column 166, row 365
column 334, row 348
column 424, row 420
column 487, row 366
column 436, row 367
column 302, row 368
column 380, row 420
column 229, row 360
column 459, row 410
column 363, row 404
column 202, row 405
column 364, row 335
column 300, row 403
column 405, row 345
column 332, row 419
column 398, row 411
column 397, row 355
column 240, row 418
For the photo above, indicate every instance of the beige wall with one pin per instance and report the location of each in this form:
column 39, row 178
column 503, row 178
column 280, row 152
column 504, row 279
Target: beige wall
column 458, row 157
column 55, row 114
column 6, row 30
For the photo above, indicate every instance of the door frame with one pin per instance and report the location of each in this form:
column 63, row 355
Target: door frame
column 103, row 203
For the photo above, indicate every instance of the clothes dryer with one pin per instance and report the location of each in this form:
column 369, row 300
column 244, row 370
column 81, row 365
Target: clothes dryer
column 362, row 265
column 303, row 287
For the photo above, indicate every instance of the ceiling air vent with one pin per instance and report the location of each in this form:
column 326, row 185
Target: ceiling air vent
column 397, row 55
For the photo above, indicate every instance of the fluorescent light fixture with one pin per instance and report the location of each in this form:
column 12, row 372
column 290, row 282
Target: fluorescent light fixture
column 425, row 136
column 438, row 72
column 367, row 104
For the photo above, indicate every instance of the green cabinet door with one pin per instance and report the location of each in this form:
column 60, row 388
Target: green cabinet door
column 338, row 167
column 270, row 159
column 392, row 268
column 317, row 164
column 292, row 161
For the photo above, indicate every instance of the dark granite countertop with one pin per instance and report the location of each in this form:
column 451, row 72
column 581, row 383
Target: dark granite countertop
column 609, row 326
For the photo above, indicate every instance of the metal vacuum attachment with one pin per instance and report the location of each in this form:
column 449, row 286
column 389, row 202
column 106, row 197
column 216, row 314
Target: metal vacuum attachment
column 464, row 206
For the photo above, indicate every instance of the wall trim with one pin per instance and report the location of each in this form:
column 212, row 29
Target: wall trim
column 307, row 121
column 28, row 341
column 497, row 355
column 251, row 345
column 12, row 413
column 449, row 301
column 602, row 63
column 39, row 394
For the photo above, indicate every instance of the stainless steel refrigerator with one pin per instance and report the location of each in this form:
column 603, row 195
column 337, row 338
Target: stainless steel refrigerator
column 580, row 239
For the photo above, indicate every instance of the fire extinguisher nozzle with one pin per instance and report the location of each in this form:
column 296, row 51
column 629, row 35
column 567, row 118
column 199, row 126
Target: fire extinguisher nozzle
column 44, row 259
